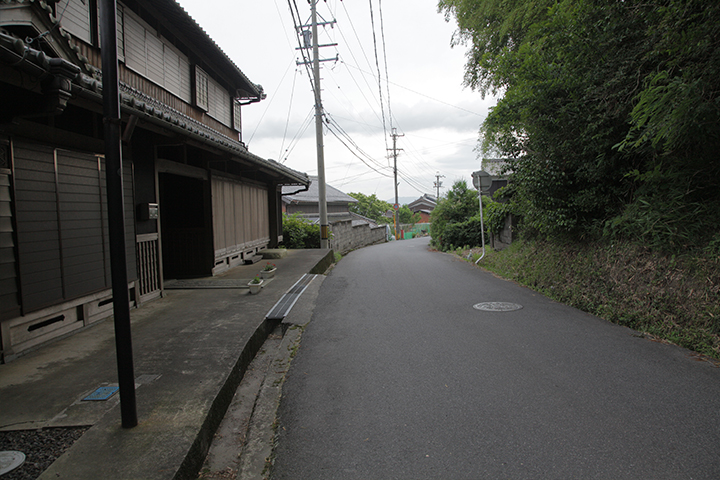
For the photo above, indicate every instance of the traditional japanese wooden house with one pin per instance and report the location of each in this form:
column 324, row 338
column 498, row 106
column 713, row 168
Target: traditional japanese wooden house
column 197, row 201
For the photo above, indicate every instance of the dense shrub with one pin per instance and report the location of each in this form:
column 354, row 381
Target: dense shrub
column 459, row 205
column 300, row 233
column 462, row 234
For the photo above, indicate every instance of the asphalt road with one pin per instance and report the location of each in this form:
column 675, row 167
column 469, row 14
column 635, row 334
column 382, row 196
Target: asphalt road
column 399, row 377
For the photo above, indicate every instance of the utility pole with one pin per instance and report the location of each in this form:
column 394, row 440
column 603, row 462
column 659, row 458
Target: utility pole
column 322, row 195
column 438, row 184
column 324, row 226
column 395, row 154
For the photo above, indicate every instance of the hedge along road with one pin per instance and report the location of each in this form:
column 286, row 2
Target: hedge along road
column 399, row 377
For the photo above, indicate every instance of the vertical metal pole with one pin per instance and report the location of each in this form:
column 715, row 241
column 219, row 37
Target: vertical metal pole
column 482, row 227
column 116, row 214
column 322, row 196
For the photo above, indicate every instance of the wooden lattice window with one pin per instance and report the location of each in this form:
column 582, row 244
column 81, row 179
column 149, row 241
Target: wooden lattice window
column 237, row 118
column 201, row 89
column 4, row 156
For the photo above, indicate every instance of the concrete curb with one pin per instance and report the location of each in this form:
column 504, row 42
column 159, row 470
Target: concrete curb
column 198, row 451
column 257, row 454
column 324, row 264
column 195, row 457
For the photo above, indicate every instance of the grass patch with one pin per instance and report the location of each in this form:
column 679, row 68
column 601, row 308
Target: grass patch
column 673, row 298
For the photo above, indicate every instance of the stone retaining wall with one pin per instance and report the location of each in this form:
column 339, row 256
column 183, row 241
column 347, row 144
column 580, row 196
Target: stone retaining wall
column 345, row 237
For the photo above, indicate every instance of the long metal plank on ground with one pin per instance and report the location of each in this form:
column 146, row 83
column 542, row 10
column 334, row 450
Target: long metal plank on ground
column 285, row 304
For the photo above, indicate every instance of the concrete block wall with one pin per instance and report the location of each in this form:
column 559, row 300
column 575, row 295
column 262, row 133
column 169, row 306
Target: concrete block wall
column 345, row 237
column 505, row 238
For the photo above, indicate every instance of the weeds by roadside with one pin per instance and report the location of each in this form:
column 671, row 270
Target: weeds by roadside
column 674, row 298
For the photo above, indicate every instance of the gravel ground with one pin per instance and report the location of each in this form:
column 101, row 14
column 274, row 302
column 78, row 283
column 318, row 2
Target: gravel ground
column 41, row 448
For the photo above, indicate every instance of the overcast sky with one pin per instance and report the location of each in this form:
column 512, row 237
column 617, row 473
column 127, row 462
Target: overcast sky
column 424, row 98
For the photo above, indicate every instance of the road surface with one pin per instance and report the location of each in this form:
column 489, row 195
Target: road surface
column 399, row 377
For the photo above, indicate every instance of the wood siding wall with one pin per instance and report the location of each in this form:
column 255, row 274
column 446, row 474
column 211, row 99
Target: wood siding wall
column 62, row 224
column 151, row 89
column 152, row 57
column 155, row 67
column 76, row 17
column 241, row 216
column 9, row 305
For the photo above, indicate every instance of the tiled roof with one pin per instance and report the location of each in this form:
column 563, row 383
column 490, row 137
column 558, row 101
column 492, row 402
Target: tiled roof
column 312, row 195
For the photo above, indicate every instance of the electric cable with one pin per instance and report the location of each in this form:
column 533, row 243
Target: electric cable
column 29, row 40
column 295, row 140
column 387, row 76
column 287, row 120
column 267, row 107
column 416, row 92
column 332, row 121
column 377, row 65
column 342, row 136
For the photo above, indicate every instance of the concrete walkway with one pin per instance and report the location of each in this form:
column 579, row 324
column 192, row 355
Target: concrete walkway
column 190, row 348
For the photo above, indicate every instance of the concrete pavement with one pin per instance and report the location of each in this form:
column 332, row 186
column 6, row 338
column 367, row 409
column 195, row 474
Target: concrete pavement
column 190, row 348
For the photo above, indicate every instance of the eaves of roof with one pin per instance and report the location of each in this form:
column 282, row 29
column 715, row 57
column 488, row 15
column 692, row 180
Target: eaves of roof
column 312, row 195
column 15, row 53
column 176, row 19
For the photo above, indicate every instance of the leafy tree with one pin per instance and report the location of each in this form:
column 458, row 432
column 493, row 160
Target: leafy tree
column 610, row 112
column 467, row 233
column 370, row 207
column 407, row 217
column 459, row 204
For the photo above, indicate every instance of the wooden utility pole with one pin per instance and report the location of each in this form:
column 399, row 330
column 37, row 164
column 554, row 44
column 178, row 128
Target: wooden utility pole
column 395, row 154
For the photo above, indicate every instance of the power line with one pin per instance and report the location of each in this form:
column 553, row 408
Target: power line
column 331, row 130
column 297, row 23
column 295, row 140
column 377, row 65
column 346, row 140
column 267, row 107
column 287, row 120
column 416, row 92
column 387, row 77
column 352, row 25
column 372, row 107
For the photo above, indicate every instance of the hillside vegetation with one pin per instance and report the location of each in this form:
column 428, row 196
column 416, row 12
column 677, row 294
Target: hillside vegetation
column 609, row 121
column 667, row 298
column 609, row 115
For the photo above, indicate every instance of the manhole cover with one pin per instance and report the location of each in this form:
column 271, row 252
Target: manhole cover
column 10, row 460
column 497, row 306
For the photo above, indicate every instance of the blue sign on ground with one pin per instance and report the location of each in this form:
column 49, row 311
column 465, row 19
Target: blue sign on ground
column 102, row 393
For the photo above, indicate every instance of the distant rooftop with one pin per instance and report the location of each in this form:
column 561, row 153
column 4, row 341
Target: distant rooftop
column 332, row 194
